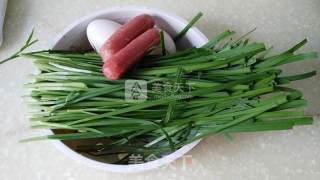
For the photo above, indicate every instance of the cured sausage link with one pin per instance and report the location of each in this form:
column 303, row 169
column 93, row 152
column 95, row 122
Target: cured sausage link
column 125, row 34
column 120, row 62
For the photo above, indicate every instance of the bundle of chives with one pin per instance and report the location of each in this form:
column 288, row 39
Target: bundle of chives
column 235, row 88
column 226, row 88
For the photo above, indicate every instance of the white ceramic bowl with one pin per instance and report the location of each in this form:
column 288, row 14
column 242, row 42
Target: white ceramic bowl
column 74, row 38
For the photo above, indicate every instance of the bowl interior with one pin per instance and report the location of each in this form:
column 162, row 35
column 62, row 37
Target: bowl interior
column 74, row 38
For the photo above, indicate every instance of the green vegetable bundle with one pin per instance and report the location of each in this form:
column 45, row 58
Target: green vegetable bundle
column 226, row 87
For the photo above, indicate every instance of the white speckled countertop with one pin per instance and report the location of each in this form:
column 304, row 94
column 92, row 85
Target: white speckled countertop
column 273, row 155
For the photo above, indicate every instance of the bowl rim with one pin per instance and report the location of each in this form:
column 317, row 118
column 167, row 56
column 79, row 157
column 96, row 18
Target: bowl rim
column 130, row 168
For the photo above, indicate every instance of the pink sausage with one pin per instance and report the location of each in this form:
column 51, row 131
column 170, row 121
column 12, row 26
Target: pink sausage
column 125, row 34
column 120, row 62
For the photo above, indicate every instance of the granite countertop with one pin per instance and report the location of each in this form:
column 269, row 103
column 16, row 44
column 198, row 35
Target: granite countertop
column 272, row 155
